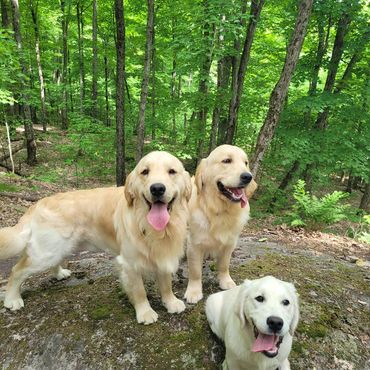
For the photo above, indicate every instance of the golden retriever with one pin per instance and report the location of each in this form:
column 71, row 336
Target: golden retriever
column 144, row 224
column 219, row 209
column 256, row 321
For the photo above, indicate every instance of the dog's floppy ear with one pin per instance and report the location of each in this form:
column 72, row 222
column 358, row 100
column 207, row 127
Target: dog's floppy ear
column 129, row 194
column 250, row 189
column 198, row 175
column 295, row 303
column 188, row 185
column 240, row 302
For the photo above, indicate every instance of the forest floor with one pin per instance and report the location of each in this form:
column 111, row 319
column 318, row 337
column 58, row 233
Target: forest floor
column 86, row 322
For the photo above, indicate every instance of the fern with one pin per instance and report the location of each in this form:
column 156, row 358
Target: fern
column 314, row 213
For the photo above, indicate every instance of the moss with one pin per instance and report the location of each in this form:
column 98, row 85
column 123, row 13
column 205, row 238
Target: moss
column 9, row 187
column 101, row 312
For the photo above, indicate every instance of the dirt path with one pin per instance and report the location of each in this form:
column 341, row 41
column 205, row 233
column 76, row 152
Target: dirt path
column 86, row 322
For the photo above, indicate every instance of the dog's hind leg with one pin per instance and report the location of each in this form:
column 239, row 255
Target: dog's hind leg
column 20, row 272
column 223, row 273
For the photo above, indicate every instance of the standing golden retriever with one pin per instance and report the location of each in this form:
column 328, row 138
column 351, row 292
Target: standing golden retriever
column 143, row 223
column 219, row 209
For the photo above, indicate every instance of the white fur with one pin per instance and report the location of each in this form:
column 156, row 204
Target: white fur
column 231, row 315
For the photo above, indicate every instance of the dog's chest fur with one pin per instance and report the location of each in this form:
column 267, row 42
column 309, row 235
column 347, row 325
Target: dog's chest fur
column 217, row 228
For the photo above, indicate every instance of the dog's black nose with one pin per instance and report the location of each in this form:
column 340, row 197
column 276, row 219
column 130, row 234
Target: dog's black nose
column 246, row 178
column 275, row 323
column 157, row 189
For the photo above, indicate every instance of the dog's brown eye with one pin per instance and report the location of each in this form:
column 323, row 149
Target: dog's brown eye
column 172, row 171
column 145, row 172
column 259, row 298
column 246, row 163
column 227, row 160
column 286, row 302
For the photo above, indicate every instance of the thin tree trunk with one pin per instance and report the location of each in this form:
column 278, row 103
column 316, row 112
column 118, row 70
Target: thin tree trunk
column 64, row 115
column 321, row 51
column 39, row 66
column 94, row 89
column 80, row 42
column 201, row 116
column 280, row 91
column 219, row 116
column 237, row 85
column 365, row 199
column 153, row 69
column 106, row 76
column 5, row 22
column 120, row 89
column 173, row 83
column 145, row 82
column 343, row 27
column 9, row 144
column 24, row 108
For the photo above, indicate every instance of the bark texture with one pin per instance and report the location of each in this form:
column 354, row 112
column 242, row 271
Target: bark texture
column 120, row 86
column 145, row 82
column 280, row 90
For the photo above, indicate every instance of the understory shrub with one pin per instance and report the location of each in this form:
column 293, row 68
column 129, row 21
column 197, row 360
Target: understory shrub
column 315, row 213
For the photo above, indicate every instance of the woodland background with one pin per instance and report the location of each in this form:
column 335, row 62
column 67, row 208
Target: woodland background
column 87, row 87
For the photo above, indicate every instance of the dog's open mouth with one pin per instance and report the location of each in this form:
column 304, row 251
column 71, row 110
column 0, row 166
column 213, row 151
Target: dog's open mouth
column 159, row 213
column 236, row 194
column 268, row 344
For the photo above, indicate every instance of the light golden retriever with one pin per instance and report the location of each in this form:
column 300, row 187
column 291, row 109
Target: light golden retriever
column 256, row 321
column 219, row 209
column 144, row 224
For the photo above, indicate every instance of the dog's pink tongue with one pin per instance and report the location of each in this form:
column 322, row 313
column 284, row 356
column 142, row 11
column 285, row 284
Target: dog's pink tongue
column 158, row 216
column 264, row 343
column 240, row 193
column 243, row 201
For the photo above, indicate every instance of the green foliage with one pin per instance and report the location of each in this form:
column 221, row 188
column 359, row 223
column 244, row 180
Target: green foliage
column 362, row 231
column 314, row 213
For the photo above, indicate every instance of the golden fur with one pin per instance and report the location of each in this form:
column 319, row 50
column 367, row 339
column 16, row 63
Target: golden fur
column 216, row 221
column 111, row 219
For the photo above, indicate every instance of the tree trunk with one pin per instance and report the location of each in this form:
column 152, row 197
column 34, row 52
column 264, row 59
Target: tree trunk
column 201, row 115
column 64, row 110
column 343, row 27
column 145, row 82
column 280, row 91
column 5, row 22
column 153, row 65
column 321, row 51
column 106, row 77
column 39, row 66
column 24, row 108
column 237, row 86
column 94, row 88
column 81, row 54
column 364, row 204
column 120, row 89
column 219, row 116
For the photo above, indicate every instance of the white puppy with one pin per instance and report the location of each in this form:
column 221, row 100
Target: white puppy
column 256, row 320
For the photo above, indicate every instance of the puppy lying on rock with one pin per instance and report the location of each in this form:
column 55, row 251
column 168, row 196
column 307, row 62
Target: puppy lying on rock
column 256, row 320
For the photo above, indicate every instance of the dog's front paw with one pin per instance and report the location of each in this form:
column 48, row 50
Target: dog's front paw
column 193, row 295
column 175, row 305
column 62, row 274
column 227, row 283
column 13, row 304
column 146, row 316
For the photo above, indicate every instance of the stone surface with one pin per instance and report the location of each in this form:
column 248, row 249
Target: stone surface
column 86, row 322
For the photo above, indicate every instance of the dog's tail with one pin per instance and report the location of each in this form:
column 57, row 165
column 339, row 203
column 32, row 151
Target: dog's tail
column 12, row 241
